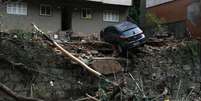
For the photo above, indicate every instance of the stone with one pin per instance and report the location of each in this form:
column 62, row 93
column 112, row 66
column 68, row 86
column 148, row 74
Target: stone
column 106, row 66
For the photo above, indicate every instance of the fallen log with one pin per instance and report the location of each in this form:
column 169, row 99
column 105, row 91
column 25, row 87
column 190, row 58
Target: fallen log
column 17, row 97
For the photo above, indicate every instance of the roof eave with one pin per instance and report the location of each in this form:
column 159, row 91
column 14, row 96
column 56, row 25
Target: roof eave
column 115, row 2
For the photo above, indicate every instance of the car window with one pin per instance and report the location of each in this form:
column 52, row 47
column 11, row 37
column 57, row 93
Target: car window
column 124, row 26
column 137, row 30
column 132, row 32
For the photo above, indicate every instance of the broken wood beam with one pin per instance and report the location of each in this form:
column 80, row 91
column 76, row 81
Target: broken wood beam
column 77, row 60
column 72, row 57
column 68, row 53
column 91, row 97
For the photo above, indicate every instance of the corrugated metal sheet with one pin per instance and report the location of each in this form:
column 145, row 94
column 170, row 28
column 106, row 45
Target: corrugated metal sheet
column 115, row 2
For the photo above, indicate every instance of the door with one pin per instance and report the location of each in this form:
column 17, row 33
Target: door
column 66, row 18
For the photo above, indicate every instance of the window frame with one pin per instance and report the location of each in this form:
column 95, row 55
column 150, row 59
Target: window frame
column 91, row 14
column 110, row 13
column 17, row 8
column 50, row 8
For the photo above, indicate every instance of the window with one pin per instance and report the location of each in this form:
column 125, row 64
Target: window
column 17, row 8
column 45, row 10
column 111, row 16
column 86, row 13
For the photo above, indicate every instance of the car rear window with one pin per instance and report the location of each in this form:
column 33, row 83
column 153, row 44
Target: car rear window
column 125, row 26
column 132, row 32
column 137, row 30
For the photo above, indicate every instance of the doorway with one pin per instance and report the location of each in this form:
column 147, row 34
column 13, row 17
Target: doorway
column 66, row 18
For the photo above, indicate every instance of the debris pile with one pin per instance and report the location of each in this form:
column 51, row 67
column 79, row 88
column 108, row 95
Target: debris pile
column 161, row 69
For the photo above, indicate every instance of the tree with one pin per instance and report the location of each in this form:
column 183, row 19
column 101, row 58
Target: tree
column 134, row 11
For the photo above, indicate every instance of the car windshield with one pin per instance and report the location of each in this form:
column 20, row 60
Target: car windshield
column 132, row 32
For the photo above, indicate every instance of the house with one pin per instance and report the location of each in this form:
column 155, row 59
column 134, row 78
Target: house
column 174, row 12
column 86, row 16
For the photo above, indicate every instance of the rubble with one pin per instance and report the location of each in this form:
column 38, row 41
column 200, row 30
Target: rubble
column 163, row 69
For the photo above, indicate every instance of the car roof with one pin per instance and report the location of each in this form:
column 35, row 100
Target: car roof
column 123, row 26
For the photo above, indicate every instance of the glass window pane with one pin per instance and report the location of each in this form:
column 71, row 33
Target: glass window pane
column 48, row 11
column 86, row 13
column 17, row 8
column 42, row 10
column 45, row 10
column 112, row 16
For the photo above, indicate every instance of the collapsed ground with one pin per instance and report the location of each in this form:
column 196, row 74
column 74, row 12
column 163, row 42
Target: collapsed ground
column 161, row 69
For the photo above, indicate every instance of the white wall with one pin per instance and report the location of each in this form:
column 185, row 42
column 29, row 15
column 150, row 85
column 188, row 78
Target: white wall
column 151, row 3
column 115, row 2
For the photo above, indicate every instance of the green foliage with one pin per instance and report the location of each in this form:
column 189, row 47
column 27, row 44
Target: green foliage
column 194, row 48
column 103, row 95
column 154, row 21
column 134, row 14
column 21, row 34
column 134, row 11
column 195, row 51
column 102, row 90
column 190, row 53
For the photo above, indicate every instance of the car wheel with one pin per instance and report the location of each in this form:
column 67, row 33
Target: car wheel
column 123, row 51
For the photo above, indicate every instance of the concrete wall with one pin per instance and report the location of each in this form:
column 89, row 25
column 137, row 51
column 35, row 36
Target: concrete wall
column 51, row 23
column 95, row 24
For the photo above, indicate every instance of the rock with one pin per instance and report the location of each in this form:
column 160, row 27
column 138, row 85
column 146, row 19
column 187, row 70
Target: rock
column 106, row 66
